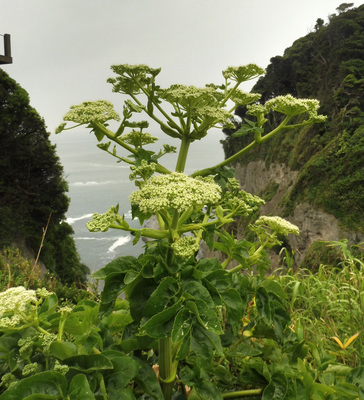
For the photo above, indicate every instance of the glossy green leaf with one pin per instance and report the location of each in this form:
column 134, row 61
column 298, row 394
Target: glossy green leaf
column 182, row 325
column 147, row 379
column 45, row 383
column 207, row 391
column 204, row 343
column 198, row 291
column 161, row 324
column 88, row 363
column 114, row 286
column 234, row 304
column 120, row 264
column 162, row 297
column 277, row 387
column 125, row 369
column 118, row 320
column 206, row 316
column 63, row 350
column 273, row 286
column 184, row 348
column 49, row 305
column 262, row 302
column 80, row 389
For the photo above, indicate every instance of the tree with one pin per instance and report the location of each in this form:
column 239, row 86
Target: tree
column 32, row 187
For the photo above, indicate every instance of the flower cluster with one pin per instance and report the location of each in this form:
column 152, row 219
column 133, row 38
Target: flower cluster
column 291, row 106
column 132, row 77
column 216, row 115
column 185, row 247
column 138, row 138
column 15, row 305
column 144, row 170
column 242, row 98
column 102, row 222
column 188, row 96
column 92, row 111
column 242, row 73
column 277, row 225
column 238, row 201
column 175, row 191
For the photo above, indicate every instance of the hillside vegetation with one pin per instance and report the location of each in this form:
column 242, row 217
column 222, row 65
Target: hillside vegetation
column 327, row 64
column 32, row 187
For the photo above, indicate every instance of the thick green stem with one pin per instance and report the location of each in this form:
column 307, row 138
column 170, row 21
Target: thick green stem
column 242, row 393
column 166, row 367
column 183, row 152
column 208, row 171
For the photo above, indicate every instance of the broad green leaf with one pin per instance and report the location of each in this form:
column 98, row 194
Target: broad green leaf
column 207, row 391
column 49, row 305
column 80, row 389
column 206, row 316
column 184, row 348
column 120, row 264
column 234, row 303
column 208, row 265
column 125, row 369
column 161, row 324
column 138, row 295
column 198, row 291
column 263, row 304
column 114, row 286
column 88, row 363
column 162, row 297
column 277, row 387
column 63, row 350
column 220, row 279
column 356, row 376
column 118, row 320
column 147, row 379
column 273, row 286
column 125, row 394
column 203, row 344
column 81, row 320
column 45, row 383
column 182, row 325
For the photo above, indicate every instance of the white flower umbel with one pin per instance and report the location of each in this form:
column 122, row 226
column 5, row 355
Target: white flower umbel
column 175, row 191
column 291, row 106
column 185, row 247
column 277, row 225
column 92, row 111
column 15, row 305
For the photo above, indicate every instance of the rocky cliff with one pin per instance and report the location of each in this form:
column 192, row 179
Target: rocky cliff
column 274, row 183
column 314, row 177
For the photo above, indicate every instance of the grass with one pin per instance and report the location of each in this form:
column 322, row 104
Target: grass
column 329, row 304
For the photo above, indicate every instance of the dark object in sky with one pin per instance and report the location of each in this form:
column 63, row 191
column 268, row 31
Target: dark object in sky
column 6, row 58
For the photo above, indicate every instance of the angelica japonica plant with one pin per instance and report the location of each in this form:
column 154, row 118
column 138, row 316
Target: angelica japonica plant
column 186, row 311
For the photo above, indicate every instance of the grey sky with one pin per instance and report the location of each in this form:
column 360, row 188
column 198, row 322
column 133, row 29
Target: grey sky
column 62, row 49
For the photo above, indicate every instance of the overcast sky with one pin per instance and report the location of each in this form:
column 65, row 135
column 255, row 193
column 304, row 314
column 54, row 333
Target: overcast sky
column 62, row 49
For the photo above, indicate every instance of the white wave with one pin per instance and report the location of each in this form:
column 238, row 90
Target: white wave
column 120, row 242
column 71, row 221
column 99, row 165
column 128, row 214
column 95, row 183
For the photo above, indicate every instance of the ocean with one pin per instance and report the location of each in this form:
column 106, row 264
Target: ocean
column 97, row 181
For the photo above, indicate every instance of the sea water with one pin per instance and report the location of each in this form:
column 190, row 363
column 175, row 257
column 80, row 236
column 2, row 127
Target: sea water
column 97, row 181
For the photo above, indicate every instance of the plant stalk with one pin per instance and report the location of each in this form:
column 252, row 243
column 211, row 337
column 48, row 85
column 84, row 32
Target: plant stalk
column 242, row 393
column 182, row 156
column 166, row 367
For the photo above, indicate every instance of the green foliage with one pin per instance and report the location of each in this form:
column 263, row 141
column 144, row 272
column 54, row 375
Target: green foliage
column 328, row 65
column 15, row 270
column 32, row 187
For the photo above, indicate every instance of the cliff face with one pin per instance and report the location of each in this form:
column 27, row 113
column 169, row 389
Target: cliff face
column 314, row 176
column 274, row 183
